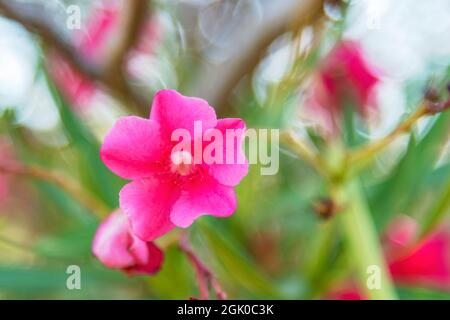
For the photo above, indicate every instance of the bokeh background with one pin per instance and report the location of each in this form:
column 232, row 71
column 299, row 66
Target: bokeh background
column 62, row 87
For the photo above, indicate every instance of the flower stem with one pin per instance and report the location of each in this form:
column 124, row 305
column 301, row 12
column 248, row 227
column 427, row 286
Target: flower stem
column 204, row 276
column 367, row 153
column 303, row 151
column 88, row 201
column 362, row 239
column 317, row 260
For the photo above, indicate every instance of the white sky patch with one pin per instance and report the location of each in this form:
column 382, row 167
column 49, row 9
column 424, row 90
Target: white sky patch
column 391, row 107
column 19, row 88
column 403, row 39
column 39, row 112
column 17, row 64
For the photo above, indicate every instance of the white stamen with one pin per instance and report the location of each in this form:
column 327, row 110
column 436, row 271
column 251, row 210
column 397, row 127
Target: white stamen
column 181, row 162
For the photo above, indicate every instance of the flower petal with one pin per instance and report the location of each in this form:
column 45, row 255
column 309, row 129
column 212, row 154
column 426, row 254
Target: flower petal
column 147, row 203
column 231, row 174
column 112, row 240
column 132, row 148
column 345, row 291
column 148, row 256
column 203, row 197
column 428, row 263
column 174, row 111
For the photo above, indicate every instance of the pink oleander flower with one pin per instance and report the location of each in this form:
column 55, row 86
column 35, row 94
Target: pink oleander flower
column 118, row 248
column 170, row 187
column 344, row 76
column 426, row 263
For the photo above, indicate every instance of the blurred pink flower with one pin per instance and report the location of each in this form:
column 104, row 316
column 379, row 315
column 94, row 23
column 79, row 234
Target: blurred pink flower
column 3, row 187
column 168, row 188
column 426, row 263
column 151, row 35
column 346, row 291
column 75, row 87
column 343, row 76
column 118, row 248
column 91, row 44
column 6, row 159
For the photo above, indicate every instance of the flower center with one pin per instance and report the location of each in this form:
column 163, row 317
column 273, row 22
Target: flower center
column 181, row 162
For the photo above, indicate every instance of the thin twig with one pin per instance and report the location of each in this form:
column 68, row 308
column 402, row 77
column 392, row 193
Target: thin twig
column 306, row 13
column 33, row 17
column 304, row 152
column 370, row 150
column 134, row 18
column 204, row 276
column 88, row 201
column 16, row 245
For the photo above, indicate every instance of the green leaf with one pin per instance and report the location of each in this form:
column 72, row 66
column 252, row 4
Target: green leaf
column 96, row 176
column 422, row 294
column 400, row 191
column 236, row 264
column 75, row 243
column 438, row 211
column 65, row 204
column 50, row 281
column 176, row 280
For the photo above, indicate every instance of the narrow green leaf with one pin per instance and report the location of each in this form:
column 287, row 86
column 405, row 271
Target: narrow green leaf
column 236, row 265
column 422, row 294
column 48, row 281
column 96, row 176
column 437, row 212
column 400, row 191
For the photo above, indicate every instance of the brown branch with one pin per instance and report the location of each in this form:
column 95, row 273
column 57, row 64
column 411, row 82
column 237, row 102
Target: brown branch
column 134, row 17
column 367, row 152
column 306, row 13
column 34, row 18
column 69, row 186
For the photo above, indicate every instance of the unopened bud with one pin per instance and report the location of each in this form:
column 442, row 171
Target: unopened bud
column 432, row 95
column 325, row 208
column 437, row 107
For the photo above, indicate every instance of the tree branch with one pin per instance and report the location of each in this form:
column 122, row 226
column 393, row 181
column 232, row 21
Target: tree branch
column 204, row 276
column 61, row 181
column 252, row 46
column 34, row 18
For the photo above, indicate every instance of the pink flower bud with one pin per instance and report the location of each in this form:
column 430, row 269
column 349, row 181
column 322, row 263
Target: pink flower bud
column 118, row 248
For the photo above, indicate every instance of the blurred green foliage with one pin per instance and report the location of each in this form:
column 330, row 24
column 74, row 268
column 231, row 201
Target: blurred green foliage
column 265, row 250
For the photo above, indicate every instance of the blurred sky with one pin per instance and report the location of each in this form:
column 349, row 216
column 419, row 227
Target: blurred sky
column 407, row 39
